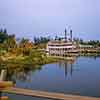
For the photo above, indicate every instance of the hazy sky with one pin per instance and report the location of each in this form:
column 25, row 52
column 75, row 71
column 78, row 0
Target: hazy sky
column 28, row 18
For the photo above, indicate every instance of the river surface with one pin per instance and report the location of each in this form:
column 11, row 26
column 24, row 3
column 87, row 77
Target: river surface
column 79, row 77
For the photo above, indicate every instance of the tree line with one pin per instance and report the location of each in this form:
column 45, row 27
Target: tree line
column 9, row 41
column 89, row 42
column 23, row 46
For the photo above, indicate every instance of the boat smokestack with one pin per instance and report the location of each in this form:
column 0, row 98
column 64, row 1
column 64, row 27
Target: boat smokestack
column 65, row 35
column 71, row 37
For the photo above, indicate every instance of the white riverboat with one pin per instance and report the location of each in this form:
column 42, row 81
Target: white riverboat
column 62, row 47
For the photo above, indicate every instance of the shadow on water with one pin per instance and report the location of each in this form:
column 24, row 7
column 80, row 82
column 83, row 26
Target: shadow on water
column 19, row 72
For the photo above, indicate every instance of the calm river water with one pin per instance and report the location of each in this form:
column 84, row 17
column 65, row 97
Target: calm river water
column 80, row 77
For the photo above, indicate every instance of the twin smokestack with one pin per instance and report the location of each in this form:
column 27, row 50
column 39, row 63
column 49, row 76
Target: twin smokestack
column 67, row 34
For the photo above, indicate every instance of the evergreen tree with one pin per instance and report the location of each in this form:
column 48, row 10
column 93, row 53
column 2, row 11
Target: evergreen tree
column 3, row 35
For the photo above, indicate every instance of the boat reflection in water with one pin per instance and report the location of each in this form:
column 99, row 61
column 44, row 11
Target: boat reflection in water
column 68, row 66
column 25, row 73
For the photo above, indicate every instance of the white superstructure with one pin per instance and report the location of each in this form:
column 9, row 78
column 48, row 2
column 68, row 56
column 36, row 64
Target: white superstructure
column 61, row 47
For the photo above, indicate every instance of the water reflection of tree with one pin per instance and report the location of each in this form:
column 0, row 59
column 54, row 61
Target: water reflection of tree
column 20, row 72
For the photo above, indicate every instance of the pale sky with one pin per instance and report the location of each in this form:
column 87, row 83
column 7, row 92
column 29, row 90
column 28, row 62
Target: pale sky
column 28, row 18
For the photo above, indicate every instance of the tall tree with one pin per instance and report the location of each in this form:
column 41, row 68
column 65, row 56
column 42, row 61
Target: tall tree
column 3, row 35
column 10, row 42
column 5, row 31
